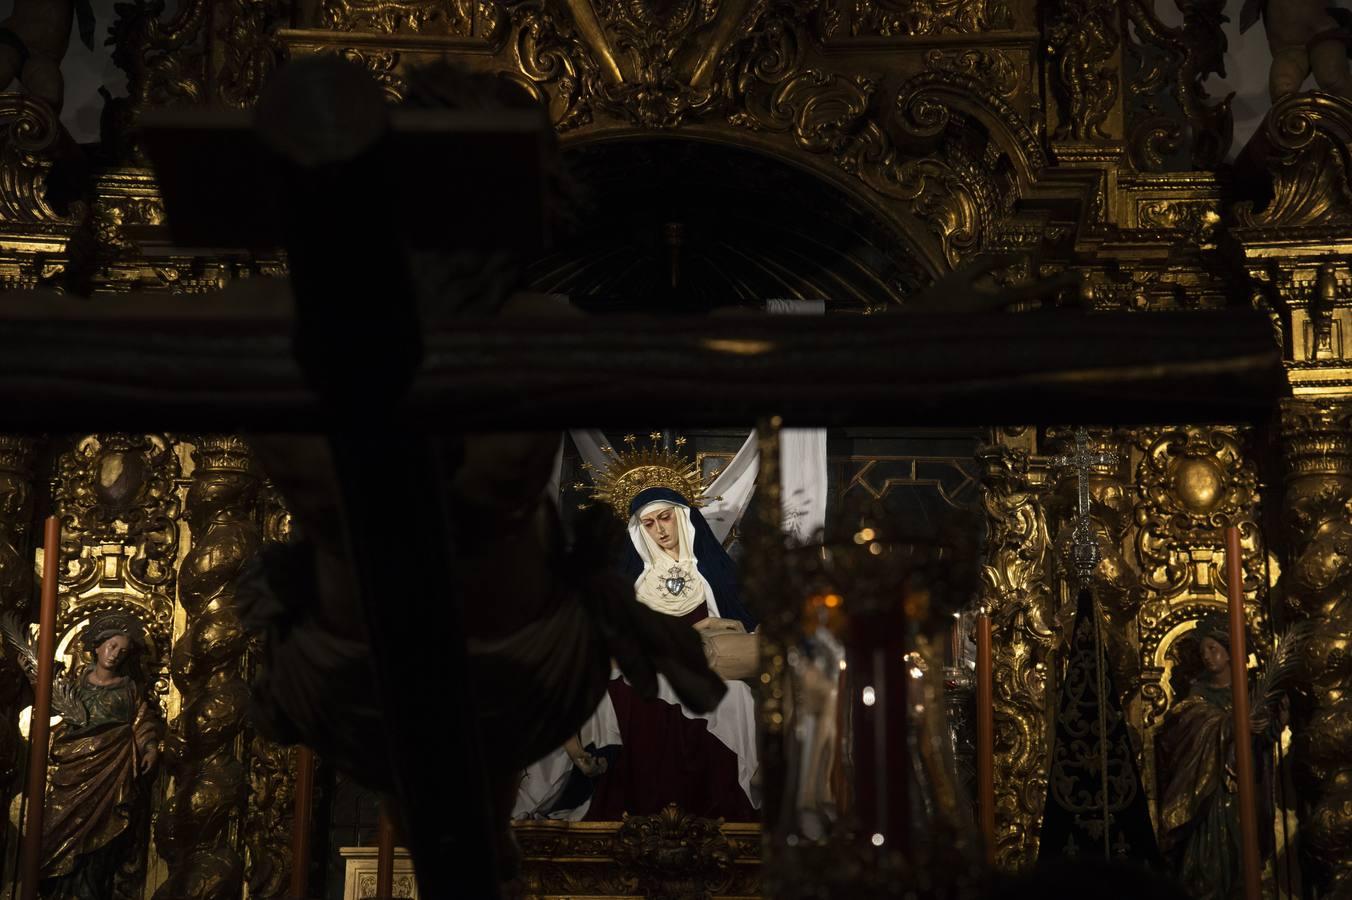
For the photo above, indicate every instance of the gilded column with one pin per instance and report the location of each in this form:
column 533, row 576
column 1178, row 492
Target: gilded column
column 198, row 831
column 1317, row 584
column 16, row 575
column 1016, row 589
column 272, row 768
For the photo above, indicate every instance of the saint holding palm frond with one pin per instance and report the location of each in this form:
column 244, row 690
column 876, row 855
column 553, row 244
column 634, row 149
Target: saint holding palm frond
column 1199, row 801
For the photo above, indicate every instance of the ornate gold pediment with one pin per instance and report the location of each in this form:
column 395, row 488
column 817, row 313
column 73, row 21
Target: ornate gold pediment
column 889, row 102
column 669, row 855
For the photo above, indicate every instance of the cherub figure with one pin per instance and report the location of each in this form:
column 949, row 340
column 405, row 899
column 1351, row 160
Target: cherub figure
column 1306, row 37
column 33, row 41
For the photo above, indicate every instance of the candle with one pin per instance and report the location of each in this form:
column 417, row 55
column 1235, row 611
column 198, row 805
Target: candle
column 385, row 858
column 300, row 823
column 1239, row 694
column 985, row 735
column 40, row 727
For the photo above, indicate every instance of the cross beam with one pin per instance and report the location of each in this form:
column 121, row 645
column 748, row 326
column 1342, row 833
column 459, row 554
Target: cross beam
column 202, row 363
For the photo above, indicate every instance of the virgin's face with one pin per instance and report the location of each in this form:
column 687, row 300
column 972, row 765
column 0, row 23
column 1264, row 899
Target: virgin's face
column 661, row 526
column 112, row 652
column 1214, row 655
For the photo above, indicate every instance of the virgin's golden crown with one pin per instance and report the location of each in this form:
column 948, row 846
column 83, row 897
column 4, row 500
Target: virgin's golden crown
column 629, row 472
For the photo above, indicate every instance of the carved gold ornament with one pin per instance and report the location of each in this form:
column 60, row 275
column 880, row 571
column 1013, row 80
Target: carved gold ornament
column 1315, row 584
column 1016, row 588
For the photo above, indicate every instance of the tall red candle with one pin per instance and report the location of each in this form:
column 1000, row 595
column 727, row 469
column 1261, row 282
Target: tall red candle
column 300, row 823
column 1239, row 695
column 40, row 726
column 985, row 735
column 385, row 858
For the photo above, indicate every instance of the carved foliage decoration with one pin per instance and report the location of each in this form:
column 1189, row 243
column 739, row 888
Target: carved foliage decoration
column 250, row 50
column 454, row 18
column 118, row 498
column 992, row 68
column 1303, row 145
column 267, row 831
column 112, row 215
column 747, row 62
column 1171, row 122
column 165, row 59
column 635, row 857
column 655, row 70
column 272, row 767
column 1199, row 218
column 1192, row 482
column 554, row 62
column 1317, row 585
column 677, row 856
column 1016, row 590
column 196, row 830
column 29, row 133
column 382, row 66
column 891, row 18
column 828, row 113
column 1084, row 36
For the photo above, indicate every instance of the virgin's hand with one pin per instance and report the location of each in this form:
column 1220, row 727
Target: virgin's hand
column 716, row 625
column 148, row 760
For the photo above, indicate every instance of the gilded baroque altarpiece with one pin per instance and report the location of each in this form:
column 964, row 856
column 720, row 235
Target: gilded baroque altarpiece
column 159, row 526
column 1065, row 136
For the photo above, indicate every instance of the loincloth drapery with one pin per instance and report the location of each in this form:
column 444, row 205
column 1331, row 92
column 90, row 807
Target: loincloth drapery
column 530, row 688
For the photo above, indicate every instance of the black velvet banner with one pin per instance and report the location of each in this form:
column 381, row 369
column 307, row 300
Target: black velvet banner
column 1085, row 767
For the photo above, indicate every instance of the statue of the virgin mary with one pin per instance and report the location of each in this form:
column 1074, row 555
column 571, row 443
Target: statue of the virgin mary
column 636, row 755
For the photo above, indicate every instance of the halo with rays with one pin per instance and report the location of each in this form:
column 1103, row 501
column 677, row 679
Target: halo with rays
column 629, row 472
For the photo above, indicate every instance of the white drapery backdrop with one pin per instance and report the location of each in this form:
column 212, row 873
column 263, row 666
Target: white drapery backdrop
column 802, row 460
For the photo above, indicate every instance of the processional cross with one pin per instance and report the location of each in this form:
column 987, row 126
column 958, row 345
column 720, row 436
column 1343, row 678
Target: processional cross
column 1084, row 553
column 1085, row 558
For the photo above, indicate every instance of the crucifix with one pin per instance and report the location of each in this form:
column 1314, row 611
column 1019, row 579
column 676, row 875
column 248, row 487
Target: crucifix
column 1084, row 553
column 346, row 351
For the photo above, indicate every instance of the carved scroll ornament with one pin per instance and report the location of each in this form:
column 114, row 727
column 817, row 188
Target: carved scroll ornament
column 1016, row 590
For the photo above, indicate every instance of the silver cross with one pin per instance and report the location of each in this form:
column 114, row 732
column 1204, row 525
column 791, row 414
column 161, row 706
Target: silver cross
column 1084, row 548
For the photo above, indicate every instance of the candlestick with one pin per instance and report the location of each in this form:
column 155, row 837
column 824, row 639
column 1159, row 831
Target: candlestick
column 1239, row 695
column 40, row 725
